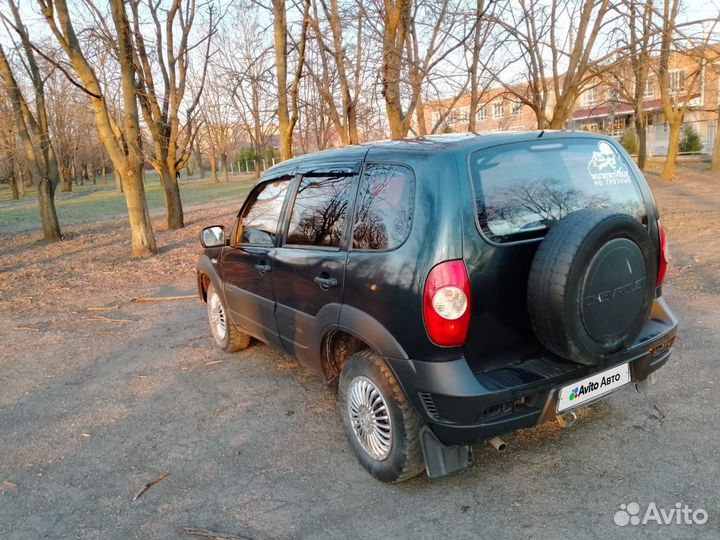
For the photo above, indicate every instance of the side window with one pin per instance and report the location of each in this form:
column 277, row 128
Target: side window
column 384, row 208
column 318, row 214
column 259, row 221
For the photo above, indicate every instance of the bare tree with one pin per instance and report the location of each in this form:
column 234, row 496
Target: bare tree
column 678, row 95
column 218, row 131
column 480, row 36
column 248, row 64
column 639, row 51
column 715, row 163
column 32, row 128
column 554, row 66
column 124, row 145
column 8, row 150
column 396, row 22
column 288, row 109
column 339, row 66
column 161, row 105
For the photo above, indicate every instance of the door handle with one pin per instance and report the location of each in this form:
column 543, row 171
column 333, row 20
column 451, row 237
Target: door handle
column 325, row 282
column 263, row 268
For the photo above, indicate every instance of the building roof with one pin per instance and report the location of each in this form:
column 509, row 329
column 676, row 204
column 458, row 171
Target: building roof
column 607, row 109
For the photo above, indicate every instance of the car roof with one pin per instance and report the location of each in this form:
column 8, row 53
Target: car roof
column 347, row 158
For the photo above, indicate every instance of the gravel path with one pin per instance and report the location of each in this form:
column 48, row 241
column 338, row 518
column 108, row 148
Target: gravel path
column 95, row 404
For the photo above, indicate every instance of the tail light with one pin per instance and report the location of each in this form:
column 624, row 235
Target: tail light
column 446, row 304
column 662, row 267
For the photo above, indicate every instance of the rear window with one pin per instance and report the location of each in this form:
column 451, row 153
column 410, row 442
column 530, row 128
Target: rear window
column 521, row 189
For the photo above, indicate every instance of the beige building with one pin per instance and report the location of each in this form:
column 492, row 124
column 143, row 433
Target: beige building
column 497, row 111
column 602, row 108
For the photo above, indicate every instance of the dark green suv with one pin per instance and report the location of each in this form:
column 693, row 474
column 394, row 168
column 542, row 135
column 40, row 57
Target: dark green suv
column 453, row 289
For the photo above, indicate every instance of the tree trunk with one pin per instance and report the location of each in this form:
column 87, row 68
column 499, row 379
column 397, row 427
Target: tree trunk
column 715, row 163
column 64, row 176
column 141, row 233
column 14, row 186
column 213, row 169
column 173, row 203
column 48, row 215
column 104, row 175
column 280, row 43
column 118, row 180
column 21, row 182
column 641, row 132
column 225, row 167
column 668, row 172
column 420, row 115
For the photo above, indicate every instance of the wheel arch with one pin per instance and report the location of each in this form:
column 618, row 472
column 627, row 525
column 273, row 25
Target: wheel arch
column 355, row 331
column 207, row 273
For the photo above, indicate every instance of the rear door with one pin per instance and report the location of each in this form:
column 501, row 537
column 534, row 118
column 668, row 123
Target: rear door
column 520, row 190
column 309, row 266
column 247, row 263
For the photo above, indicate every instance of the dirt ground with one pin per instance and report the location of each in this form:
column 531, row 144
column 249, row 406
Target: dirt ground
column 95, row 404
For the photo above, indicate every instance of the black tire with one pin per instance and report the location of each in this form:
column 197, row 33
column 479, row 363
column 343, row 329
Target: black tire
column 405, row 458
column 232, row 340
column 591, row 285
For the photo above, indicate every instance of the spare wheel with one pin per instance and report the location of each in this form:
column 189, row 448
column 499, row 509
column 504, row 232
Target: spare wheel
column 592, row 284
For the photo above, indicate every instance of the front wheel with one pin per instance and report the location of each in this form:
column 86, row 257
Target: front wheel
column 226, row 336
column 379, row 422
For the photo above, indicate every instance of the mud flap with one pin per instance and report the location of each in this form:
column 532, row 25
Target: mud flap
column 441, row 460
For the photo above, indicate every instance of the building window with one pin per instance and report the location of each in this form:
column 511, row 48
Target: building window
column 482, row 113
column 677, row 80
column 649, row 89
column 464, row 114
column 517, row 109
column 498, row 110
column 435, row 118
column 590, row 96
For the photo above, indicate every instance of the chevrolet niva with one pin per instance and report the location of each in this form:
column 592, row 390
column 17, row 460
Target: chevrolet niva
column 451, row 288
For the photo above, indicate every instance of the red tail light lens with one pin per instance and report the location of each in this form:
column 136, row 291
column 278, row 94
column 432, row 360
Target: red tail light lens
column 662, row 268
column 446, row 304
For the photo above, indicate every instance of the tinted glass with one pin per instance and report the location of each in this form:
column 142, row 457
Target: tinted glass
column 384, row 207
column 318, row 215
column 260, row 220
column 523, row 188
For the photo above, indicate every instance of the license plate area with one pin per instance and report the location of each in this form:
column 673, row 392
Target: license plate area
column 599, row 384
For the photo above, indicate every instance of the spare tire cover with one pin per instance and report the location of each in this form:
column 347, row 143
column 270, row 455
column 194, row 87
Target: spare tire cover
column 592, row 284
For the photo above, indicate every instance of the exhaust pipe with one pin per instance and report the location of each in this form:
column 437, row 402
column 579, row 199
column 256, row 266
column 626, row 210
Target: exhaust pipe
column 567, row 419
column 498, row 444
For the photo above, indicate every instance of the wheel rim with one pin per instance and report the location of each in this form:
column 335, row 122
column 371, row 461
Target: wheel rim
column 370, row 418
column 216, row 314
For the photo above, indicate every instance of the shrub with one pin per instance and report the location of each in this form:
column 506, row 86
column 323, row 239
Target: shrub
column 629, row 140
column 690, row 141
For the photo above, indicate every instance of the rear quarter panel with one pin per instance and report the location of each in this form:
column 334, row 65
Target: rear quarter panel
column 388, row 285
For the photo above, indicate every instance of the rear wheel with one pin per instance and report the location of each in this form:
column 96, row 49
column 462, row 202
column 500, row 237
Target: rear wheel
column 226, row 335
column 380, row 424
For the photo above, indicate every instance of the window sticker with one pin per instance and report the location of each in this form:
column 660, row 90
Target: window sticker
column 606, row 167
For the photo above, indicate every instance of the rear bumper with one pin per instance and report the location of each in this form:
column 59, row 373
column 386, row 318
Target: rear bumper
column 462, row 407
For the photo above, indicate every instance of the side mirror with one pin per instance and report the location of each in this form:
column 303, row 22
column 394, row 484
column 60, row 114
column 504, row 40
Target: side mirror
column 213, row 236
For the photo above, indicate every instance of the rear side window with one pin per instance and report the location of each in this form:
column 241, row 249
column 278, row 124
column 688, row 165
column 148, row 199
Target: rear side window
column 318, row 214
column 384, row 207
column 259, row 221
column 521, row 189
